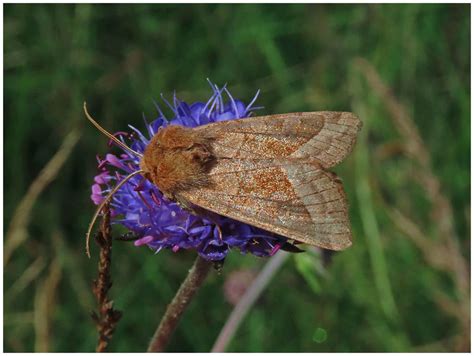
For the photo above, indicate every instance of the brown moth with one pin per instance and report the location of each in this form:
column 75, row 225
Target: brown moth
column 269, row 171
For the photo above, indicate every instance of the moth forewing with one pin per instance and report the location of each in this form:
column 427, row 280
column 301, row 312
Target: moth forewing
column 270, row 172
column 327, row 136
column 295, row 199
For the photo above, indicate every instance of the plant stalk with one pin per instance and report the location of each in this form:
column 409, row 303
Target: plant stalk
column 175, row 310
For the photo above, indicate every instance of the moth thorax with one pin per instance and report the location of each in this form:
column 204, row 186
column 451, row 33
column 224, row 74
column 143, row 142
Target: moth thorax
column 177, row 159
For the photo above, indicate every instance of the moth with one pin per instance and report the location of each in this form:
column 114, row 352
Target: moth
column 269, row 171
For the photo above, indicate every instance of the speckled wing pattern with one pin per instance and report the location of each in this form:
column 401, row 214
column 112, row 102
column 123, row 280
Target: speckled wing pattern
column 271, row 173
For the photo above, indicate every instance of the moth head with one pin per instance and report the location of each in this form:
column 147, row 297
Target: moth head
column 176, row 158
column 160, row 155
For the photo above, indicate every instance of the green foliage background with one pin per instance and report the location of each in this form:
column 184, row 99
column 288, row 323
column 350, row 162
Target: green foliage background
column 380, row 295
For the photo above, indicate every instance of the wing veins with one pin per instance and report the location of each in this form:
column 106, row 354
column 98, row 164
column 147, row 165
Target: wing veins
column 334, row 138
column 324, row 151
column 339, row 132
column 318, row 192
column 339, row 148
column 307, row 182
column 325, row 202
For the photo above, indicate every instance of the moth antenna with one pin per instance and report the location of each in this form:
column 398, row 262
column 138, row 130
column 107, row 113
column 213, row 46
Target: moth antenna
column 101, row 206
column 109, row 135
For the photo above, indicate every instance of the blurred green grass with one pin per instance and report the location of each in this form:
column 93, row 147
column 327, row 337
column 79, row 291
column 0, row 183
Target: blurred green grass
column 380, row 295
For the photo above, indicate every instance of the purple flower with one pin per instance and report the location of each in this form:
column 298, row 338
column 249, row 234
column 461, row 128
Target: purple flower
column 159, row 223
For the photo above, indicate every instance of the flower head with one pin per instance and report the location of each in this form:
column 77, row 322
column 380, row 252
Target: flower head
column 159, row 223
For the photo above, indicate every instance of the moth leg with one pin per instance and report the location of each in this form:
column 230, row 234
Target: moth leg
column 219, row 230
